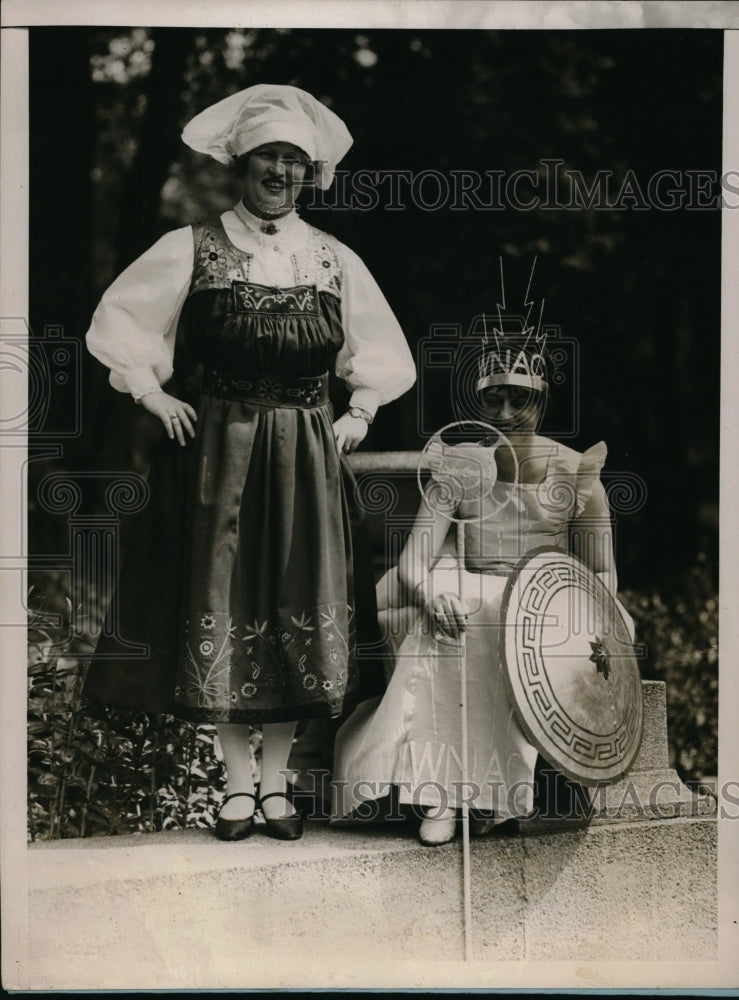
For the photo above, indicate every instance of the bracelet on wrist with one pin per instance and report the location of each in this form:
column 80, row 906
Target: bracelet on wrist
column 357, row 411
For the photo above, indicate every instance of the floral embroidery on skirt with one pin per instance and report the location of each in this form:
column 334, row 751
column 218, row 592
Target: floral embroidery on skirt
column 234, row 665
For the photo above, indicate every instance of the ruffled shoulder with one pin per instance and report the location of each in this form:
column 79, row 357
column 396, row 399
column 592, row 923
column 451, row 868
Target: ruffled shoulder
column 571, row 477
column 588, row 473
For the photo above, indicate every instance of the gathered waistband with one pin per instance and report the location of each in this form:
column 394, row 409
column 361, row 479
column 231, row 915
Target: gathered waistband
column 268, row 390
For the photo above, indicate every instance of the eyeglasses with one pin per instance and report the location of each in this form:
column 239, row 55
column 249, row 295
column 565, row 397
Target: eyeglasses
column 289, row 159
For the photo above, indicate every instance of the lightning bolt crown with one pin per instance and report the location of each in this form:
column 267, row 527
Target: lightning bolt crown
column 513, row 350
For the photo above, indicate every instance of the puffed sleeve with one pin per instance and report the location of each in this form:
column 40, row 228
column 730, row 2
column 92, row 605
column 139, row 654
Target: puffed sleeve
column 375, row 360
column 587, row 482
column 133, row 328
column 591, row 531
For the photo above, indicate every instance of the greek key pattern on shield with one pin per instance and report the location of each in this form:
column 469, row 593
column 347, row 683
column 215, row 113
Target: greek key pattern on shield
column 582, row 708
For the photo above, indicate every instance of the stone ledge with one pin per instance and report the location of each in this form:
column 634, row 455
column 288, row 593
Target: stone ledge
column 183, row 910
column 651, row 790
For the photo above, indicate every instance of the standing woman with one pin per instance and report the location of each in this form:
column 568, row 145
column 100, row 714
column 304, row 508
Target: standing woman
column 239, row 577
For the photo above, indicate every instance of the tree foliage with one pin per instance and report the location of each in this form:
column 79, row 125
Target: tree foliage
column 637, row 286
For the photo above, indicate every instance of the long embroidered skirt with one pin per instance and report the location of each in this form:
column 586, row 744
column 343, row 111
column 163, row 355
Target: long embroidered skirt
column 240, row 577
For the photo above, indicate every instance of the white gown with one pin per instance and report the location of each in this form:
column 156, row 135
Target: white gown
column 411, row 737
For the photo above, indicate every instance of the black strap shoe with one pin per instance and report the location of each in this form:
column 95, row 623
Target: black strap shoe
column 286, row 827
column 235, row 829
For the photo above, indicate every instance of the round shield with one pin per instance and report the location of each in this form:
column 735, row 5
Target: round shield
column 570, row 668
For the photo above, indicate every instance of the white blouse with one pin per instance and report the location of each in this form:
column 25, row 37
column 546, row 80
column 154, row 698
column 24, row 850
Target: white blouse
column 133, row 328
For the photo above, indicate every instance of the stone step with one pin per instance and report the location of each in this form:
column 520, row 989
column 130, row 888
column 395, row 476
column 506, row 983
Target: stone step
column 652, row 789
column 357, row 905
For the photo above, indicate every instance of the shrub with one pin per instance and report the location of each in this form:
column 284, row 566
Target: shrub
column 96, row 770
column 680, row 629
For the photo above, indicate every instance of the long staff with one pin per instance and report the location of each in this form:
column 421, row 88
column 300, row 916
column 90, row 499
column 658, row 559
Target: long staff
column 459, row 475
column 466, row 879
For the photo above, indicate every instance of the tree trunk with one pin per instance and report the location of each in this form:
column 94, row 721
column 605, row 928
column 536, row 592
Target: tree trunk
column 157, row 145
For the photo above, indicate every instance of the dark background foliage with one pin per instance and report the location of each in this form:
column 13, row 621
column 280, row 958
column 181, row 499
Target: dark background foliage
column 637, row 287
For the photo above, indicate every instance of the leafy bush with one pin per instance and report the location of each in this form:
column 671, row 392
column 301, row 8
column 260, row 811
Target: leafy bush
column 680, row 630
column 96, row 770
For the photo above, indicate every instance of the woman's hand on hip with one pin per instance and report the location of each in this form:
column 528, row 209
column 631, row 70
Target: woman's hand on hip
column 449, row 615
column 349, row 432
column 176, row 416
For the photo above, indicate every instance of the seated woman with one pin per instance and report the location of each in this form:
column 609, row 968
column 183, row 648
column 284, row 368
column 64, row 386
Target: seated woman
column 411, row 738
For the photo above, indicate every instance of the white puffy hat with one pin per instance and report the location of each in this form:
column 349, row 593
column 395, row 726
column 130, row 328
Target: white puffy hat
column 271, row 113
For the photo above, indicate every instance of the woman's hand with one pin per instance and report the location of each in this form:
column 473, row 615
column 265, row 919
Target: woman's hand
column 349, row 432
column 449, row 615
column 174, row 414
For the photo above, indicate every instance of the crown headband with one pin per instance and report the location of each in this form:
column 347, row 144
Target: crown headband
column 513, row 352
